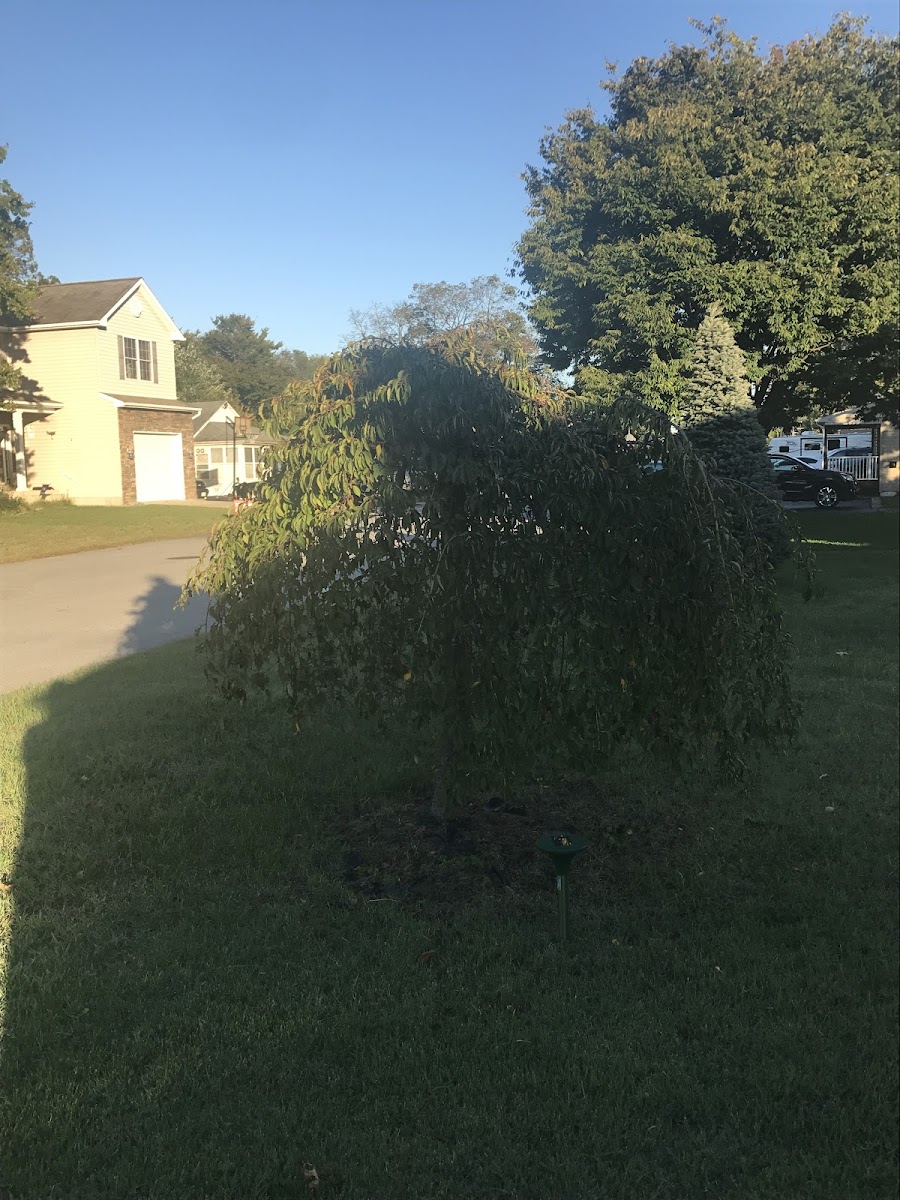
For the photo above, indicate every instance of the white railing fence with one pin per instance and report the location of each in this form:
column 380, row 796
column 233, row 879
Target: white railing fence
column 860, row 466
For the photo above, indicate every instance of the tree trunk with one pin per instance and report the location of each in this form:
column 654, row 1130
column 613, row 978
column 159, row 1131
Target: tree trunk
column 444, row 797
column 455, row 727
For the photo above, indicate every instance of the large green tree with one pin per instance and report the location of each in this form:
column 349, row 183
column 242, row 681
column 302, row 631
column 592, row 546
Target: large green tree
column 485, row 307
column 766, row 182
column 18, row 270
column 246, row 359
column 446, row 538
column 252, row 367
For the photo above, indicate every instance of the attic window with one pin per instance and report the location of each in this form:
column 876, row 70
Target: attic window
column 137, row 359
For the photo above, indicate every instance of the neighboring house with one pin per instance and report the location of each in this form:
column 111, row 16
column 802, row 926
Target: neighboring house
column 97, row 416
column 878, row 472
column 227, row 448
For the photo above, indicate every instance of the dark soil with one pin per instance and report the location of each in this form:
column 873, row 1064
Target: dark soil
column 400, row 852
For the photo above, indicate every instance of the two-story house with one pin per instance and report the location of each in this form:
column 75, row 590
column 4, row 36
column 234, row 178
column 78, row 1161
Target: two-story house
column 97, row 417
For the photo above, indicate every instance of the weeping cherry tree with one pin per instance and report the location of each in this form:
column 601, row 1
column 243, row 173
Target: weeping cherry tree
column 458, row 544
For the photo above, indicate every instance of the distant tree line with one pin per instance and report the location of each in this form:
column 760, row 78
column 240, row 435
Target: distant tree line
column 233, row 360
column 237, row 362
column 485, row 309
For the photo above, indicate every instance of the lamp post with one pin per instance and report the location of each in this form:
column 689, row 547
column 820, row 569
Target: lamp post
column 561, row 848
column 233, row 458
column 240, row 426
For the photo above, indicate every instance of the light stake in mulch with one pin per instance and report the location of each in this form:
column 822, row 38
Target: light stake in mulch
column 562, row 848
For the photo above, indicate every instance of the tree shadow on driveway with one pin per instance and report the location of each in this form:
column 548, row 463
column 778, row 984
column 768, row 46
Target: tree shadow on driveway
column 156, row 618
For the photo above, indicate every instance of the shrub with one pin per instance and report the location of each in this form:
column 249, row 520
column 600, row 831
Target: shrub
column 10, row 503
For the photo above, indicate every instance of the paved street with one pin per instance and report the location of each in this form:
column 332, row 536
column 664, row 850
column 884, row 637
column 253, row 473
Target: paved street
column 60, row 614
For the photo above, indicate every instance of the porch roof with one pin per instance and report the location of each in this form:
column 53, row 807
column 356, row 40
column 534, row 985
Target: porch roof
column 37, row 405
column 151, row 402
column 847, row 417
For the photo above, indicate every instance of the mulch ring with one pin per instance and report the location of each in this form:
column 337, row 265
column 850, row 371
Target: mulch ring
column 400, row 852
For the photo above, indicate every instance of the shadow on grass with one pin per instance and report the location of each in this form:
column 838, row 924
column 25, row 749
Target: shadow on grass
column 196, row 1006
column 174, row 937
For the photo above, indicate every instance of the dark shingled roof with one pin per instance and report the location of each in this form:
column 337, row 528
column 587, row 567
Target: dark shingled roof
column 68, row 303
column 207, row 431
column 205, row 413
column 217, row 433
column 153, row 401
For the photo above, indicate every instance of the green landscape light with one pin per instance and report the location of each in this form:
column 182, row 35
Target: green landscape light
column 562, row 848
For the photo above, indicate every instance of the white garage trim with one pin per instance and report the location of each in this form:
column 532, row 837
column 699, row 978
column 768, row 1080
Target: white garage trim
column 158, row 466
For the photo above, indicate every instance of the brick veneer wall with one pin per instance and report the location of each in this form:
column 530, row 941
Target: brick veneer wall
column 137, row 420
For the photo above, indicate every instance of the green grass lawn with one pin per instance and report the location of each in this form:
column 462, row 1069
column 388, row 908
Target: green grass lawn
column 43, row 530
column 196, row 1003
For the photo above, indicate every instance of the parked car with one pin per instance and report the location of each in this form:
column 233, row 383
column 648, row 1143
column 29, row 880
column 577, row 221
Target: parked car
column 852, row 452
column 798, row 481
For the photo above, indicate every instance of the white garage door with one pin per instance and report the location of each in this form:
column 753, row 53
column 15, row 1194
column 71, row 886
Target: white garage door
column 158, row 466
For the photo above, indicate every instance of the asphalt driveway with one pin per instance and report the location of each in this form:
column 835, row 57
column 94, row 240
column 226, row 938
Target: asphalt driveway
column 862, row 504
column 60, row 614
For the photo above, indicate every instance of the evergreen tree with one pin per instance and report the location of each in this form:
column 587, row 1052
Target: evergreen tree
column 721, row 421
column 246, row 360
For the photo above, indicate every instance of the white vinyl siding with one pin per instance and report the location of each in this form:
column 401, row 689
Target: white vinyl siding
column 75, row 450
column 207, row 474
column 220, row 470
column 151, row 328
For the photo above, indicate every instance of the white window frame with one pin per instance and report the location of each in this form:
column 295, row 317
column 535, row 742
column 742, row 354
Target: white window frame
column 137, row 361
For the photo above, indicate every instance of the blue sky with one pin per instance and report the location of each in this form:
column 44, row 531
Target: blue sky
column 294, row 159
